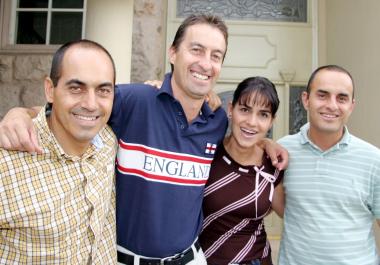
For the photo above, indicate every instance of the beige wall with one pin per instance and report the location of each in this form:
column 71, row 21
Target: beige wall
column 353, row 41
column 110, row 23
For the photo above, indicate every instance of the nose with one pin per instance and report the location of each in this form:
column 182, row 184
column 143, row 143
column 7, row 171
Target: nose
column 332, row 104
column 89, row 100
column 252, row 119
column 205, row 62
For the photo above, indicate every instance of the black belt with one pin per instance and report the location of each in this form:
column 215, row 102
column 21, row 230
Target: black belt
column 180, row 259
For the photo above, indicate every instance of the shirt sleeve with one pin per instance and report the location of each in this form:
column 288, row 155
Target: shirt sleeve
column 376, row 190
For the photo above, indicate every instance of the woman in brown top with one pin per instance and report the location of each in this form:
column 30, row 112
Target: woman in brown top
column 243, row 185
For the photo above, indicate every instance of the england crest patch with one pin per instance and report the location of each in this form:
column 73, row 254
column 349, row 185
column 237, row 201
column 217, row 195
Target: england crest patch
column 210, row 148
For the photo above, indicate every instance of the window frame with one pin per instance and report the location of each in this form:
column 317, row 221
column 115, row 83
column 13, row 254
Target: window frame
column 8, row 10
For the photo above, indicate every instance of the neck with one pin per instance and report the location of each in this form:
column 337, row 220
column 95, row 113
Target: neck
column 69, row 146
column 191, row 104
column 191, row 108
column 324, row 140
column 244, row 156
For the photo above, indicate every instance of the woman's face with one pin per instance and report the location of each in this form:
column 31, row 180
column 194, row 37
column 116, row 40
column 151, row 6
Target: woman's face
column 250, row 122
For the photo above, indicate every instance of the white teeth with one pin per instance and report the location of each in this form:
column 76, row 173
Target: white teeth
column 86, row 118
column 329, row 115
column 248, row 131
column 200, row 76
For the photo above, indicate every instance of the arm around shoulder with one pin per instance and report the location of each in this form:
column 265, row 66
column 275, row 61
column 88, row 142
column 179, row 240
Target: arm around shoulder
column 278, row 201
column 17, row 130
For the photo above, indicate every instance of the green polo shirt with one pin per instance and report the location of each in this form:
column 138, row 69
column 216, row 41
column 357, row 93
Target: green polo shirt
column 332, row 200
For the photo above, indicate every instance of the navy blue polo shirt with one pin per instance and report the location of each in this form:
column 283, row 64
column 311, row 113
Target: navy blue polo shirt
column 163, row 164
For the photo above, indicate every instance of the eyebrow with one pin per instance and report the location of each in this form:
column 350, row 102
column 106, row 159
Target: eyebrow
column 326, row 92
column 203, row 47
column 75, row 81
column 81, row 83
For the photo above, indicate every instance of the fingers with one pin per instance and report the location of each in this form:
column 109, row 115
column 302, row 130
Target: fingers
column 4, row 141
column 213, row 100
column 17, row 138
column 34, row 139
column 17, row 132
column 155, row 83
column 277, row 154
column 273, row 157
column 283, row 159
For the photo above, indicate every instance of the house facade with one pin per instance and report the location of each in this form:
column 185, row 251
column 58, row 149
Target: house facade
column 283, row 40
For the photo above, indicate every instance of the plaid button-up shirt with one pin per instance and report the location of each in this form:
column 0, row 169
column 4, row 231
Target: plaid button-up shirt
column 56, row 208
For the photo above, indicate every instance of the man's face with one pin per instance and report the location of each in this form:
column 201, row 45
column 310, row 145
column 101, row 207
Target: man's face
column 329, row 103
column 82, row 100
column 197, row 61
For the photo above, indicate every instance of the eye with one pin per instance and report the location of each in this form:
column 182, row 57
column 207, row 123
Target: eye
column 321, row 96
column 75, row 89
column 196, row 50
column 244, row 109
column 104, row 91
column 342, row 99
column 216, row 58
column 265, row 114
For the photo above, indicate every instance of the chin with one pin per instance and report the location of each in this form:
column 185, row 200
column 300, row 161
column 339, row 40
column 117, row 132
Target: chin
column 85, row 137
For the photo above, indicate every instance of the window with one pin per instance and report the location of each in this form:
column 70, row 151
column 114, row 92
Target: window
column 40, row 23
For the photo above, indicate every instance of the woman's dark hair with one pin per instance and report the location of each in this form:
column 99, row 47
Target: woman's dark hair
column 257, row 90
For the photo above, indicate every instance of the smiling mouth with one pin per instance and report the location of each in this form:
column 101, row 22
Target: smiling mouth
column 329, row 116
column 248, row 132
column 86, row 118
column 200, row 76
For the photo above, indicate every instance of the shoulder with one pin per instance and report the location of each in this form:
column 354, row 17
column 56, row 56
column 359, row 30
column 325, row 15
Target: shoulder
column 290, row 140
column 221, row 116
column 17, row 164
column 135, row 89
column 364, row 149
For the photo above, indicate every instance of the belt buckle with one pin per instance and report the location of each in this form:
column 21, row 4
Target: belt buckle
column 164, row 261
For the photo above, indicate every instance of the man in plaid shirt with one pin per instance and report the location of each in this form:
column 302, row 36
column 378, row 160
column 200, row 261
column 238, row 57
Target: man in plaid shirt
column 59, row 207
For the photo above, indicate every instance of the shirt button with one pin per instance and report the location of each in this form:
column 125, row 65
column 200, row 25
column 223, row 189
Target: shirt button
column 179, row 113
column 182, row 126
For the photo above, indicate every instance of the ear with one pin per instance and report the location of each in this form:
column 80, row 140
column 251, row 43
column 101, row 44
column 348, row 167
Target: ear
column 272, row 121
column 305, row 100
column 172, row 54
column 352, row 105
column 49, row 90
column 229, row 109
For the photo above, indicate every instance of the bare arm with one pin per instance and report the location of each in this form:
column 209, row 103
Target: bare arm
column 277, row 154
column 378, row 222
column 278, row 201
column 17, row 131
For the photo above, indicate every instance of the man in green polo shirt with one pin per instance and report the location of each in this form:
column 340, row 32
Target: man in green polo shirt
column 332, row 184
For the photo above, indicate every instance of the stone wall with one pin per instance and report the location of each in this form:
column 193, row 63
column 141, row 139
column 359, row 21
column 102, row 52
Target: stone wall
column 148, row 41
column 21, row 75
column 21, row 80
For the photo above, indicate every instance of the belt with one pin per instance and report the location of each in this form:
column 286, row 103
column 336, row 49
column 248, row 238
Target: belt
column 180, row 259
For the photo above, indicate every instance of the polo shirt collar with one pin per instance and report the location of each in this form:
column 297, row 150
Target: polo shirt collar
column 306, row 140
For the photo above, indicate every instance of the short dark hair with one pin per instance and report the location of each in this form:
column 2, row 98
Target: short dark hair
column 212, row 20
column 56, row 66
column 259, row 89
column 329, row 67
